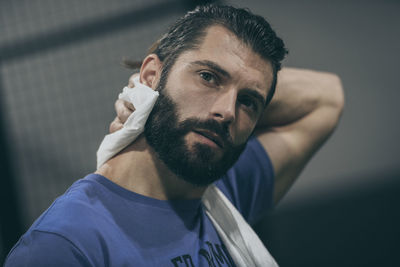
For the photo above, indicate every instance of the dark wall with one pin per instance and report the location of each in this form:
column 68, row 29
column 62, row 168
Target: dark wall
column 350, row 228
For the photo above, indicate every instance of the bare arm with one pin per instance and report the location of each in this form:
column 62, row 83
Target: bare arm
column 303, row 113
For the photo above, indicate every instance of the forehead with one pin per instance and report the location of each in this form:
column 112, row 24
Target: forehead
column 247, row 68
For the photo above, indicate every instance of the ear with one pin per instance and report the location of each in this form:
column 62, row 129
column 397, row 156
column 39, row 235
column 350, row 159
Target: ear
column 150, row 71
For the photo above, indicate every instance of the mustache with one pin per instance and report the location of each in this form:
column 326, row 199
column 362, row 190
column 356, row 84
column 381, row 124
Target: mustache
column 211, row 125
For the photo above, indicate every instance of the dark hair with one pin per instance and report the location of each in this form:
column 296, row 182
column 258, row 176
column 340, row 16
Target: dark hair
column 188, row 32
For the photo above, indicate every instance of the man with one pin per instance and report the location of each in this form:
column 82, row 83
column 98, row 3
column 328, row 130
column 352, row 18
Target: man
column 216, row 71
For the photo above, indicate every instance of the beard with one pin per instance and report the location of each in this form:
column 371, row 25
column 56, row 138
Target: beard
column 195, row 164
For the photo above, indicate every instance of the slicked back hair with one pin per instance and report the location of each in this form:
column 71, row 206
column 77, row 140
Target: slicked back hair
column 188, row 32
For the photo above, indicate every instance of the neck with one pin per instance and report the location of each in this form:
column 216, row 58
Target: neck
column 138, row 169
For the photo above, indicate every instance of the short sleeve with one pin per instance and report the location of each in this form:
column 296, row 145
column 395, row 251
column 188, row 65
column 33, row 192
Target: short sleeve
column 249, row 183
column 40, row 248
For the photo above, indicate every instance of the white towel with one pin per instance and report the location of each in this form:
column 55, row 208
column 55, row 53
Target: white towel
column 243, row 244
column 143, row 99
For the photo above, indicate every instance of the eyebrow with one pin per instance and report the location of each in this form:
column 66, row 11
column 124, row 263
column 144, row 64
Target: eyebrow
column 214, row 66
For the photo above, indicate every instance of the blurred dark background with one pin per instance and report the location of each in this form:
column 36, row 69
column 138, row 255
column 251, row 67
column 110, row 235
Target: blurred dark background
column 60, row 74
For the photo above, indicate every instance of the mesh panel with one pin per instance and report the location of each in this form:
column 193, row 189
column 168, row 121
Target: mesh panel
column 59, row 84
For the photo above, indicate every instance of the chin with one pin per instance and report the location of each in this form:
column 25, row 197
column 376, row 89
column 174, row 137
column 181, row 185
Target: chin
column 201, row 166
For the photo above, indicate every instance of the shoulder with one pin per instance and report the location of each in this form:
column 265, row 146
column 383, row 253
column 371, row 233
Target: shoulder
column 249, row 183
column 253, row 166
column 77, row 207
column 39, row 248
column 78, row 215
column 70, row 228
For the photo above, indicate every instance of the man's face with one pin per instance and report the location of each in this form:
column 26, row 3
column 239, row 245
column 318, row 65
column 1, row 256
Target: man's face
column 208, row 107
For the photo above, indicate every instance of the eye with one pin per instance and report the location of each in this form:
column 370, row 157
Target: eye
column 248, row 102
column 208, row 77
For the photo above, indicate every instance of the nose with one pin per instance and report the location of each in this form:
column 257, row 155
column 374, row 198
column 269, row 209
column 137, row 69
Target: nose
column 224, row 107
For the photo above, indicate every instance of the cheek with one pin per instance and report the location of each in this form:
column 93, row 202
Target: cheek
column 192, row 102
column 184, row 94
column 189, row 105
column 242, row 129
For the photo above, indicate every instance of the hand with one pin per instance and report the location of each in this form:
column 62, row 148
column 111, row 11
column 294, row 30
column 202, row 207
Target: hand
column 123, row 108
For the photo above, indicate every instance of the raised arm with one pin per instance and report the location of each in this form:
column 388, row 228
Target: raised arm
column 302, row 115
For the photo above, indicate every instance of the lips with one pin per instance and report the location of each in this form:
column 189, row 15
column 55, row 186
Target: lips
column 212, row 136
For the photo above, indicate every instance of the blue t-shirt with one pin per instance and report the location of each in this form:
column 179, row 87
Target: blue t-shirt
column 98, row 223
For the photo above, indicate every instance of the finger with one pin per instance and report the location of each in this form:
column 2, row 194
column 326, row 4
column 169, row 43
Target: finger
column 115, row 125
column 131, row 84
column 122, row 111
column 129, row 106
